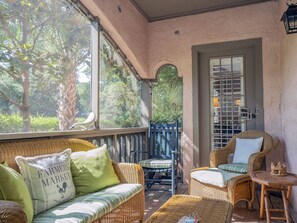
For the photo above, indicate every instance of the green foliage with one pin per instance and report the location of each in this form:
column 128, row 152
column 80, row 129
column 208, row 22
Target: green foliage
column 120, row 91
column 83, row 99
column 44, row 124
column 167, row 96
column 14, row 123
column 41, row 43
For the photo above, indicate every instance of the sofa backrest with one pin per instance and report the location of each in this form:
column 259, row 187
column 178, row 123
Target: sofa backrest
column 34, row 147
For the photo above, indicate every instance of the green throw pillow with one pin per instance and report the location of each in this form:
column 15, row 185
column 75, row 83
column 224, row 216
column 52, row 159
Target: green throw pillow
column 14, row 188
column 4, row 163
column 92, row 170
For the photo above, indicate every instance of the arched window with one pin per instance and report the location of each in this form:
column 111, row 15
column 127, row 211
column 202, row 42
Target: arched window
column 167, row 96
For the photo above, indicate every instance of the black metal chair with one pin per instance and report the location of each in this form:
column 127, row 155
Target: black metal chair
column 162, row 162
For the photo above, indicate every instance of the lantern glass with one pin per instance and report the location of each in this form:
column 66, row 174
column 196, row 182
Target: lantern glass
column 290, row 19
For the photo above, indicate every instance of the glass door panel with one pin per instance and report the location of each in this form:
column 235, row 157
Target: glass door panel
column 226, row 98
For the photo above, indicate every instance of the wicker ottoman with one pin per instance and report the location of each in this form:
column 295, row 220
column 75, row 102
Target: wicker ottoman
column 207, row 210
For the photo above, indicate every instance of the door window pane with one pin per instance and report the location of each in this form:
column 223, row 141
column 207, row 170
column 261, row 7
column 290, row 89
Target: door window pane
column 227, row 97
column 45, row 69
column 237, row 65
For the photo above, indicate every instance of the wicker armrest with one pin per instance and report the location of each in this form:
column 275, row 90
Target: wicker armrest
column 255, row 161
column 200, row 168
column 129, row 173
column 241, row 187
column 236, row 180
column 219, row 156
column 11, row 212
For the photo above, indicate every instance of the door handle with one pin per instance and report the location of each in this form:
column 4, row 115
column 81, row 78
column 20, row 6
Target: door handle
column 246, row 114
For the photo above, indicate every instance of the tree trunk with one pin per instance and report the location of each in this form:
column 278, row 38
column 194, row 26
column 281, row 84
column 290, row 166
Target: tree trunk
column 67, row 102
column 25, row 106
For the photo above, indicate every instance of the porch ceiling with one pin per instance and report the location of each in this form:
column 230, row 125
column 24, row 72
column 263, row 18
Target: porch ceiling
column 154, row 10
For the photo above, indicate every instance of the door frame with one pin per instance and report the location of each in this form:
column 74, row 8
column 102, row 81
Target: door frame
column 201, row 155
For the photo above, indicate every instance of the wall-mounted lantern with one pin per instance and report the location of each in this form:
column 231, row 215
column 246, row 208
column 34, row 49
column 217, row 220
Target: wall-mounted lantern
column 289, row 18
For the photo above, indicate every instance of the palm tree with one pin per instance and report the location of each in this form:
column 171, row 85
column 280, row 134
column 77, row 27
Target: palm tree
column 70, row 41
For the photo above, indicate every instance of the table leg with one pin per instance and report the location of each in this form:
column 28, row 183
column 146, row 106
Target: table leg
column 250, row 203
column 286, row 204
column 267, row 206
column 289, row 193
column 262, row 201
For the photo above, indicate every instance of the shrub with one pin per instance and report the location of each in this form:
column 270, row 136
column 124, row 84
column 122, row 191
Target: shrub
column 14, row 123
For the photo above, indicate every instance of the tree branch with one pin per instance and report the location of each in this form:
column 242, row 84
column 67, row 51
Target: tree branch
column 10, row 100
column 5, row 25
column 11, row 74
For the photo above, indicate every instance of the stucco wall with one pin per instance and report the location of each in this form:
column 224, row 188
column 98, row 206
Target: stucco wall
column 252, row 21
column 289, row 99
column 128, row 28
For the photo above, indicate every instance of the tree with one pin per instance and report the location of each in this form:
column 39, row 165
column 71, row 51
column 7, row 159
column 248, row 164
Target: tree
column 119, row 91
column 44, row 48
column 167, row 98
column 70, row 40
column 20, row 53
column 39, row 52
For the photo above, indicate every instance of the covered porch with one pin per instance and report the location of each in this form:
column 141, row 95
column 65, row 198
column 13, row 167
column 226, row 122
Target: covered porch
column 187, row 41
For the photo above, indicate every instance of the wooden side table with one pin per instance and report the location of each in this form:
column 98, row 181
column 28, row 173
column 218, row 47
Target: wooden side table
column 272, row 183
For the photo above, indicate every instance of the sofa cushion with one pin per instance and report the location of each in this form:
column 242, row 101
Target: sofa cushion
column 48, row 178
column 14, row 188
column 214, row 176
column 92, row 170
column 234, row 167
column 89, row 207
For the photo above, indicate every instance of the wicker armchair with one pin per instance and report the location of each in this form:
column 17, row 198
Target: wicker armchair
column 240, row 187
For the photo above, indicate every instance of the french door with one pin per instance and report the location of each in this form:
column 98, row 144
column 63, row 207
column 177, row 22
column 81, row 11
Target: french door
column 230, row 97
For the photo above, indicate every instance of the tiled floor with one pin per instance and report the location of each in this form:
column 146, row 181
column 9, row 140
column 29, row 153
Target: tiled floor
column 155, row 198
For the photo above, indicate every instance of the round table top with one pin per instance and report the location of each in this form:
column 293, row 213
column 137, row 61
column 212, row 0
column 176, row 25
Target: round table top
column 266, row 178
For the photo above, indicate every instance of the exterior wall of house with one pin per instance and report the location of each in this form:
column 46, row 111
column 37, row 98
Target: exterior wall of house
column 289, row 99
column 252, row 21
column 128, row 28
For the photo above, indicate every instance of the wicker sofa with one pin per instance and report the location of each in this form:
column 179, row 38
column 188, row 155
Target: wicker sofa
column 240, row 187
column 129, row 211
